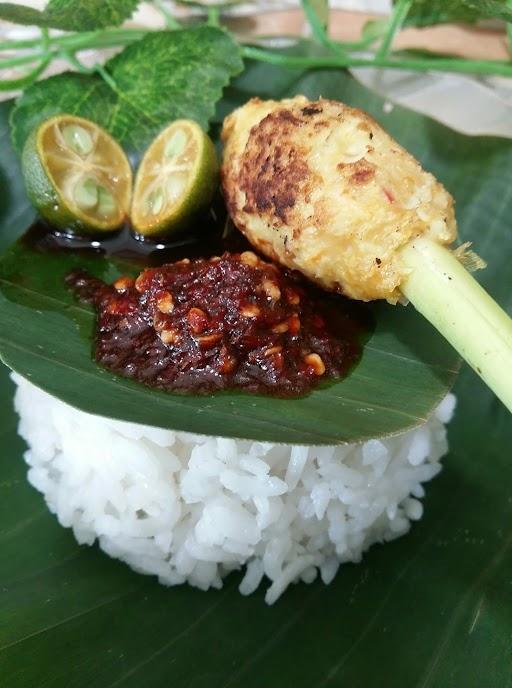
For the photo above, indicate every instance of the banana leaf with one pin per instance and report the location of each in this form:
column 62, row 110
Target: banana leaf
column 431, row 609
column 405, row 370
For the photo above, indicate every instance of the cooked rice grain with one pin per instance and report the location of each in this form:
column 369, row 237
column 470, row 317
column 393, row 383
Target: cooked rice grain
column 191, row 509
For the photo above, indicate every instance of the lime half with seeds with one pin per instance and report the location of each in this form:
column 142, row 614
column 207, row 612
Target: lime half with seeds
column 176, row 179
column 77, row 176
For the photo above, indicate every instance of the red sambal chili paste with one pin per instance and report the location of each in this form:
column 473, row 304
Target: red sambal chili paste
column 205, row 325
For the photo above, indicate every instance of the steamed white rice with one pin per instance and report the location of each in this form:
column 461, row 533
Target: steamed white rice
column 191, row 509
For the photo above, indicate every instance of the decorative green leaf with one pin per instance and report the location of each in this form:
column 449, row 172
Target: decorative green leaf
column 491, row 9
column 20, row 14
column 164, row 76
column 428, row 610
column 16, row 212
column 431, row 12
column 88, row 96
column 71, row 15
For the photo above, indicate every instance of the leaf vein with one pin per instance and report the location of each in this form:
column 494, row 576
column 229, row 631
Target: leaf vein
column 73, row 617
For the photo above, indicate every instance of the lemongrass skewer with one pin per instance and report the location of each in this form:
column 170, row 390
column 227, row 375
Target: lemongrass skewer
column 445, row 293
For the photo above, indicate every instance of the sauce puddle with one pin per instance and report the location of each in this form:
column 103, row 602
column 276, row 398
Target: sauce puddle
column 202, row 325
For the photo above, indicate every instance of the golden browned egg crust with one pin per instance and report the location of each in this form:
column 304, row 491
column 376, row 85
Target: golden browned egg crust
column 320, row 187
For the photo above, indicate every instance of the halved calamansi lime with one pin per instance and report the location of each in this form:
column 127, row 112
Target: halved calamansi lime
column 77, row 176
column 175, row 181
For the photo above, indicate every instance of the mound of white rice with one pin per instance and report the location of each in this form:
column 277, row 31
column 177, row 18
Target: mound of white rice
column 191, row 509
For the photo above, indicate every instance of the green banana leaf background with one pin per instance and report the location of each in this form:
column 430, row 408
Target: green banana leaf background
column 433, row 609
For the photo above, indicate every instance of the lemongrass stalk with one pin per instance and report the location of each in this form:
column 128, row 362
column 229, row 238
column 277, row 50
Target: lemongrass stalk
column 443, row 291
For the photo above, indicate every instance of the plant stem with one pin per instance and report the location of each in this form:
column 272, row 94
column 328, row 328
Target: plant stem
column 89, row 40
column 400, row 12
column 170, row 20
column 340, row 57
column 17, row 45
column 82, row 40
column 509, row 29
column 444, row 292
column 321, row 10
column 213, row 16
column 51, row 47
column 109, row 80
column 318, row 27
column 461, row 66
column 75, row 62
column 24, row 81
column 22, row 60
